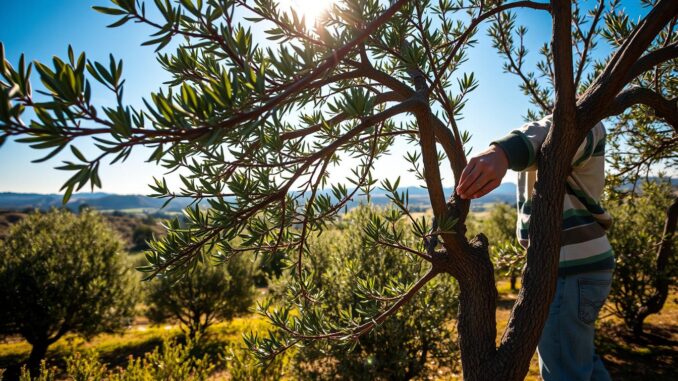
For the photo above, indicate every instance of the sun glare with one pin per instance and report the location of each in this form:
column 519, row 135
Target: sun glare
column 310, row 9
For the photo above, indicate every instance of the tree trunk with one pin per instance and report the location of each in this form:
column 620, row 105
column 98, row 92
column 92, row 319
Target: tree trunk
column 476, row 322
column 514, row 280
column 38, row 352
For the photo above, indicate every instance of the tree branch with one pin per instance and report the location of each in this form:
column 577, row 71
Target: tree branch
column 602, row 92
column 587, row 42
column 653, row 59
column 663, row 108
column 329, row 63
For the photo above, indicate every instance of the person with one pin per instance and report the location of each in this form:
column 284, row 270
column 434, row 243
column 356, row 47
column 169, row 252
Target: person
column 566, row 347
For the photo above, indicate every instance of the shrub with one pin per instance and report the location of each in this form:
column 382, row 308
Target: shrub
column 60, row 273
column 402, row 347
column 243, row 366
column 170, row 362
column 206, row 293
column 635, row 234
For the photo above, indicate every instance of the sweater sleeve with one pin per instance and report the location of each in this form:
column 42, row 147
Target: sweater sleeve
column 521, row 145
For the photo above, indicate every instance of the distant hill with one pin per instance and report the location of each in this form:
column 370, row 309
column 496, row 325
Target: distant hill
column 418, row 196
column 100, row 201
column 106, row 201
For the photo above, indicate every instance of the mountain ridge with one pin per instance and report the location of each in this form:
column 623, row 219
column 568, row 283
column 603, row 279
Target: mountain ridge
column 111, row 201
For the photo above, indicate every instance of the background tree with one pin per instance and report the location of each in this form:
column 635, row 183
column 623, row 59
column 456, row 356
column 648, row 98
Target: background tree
column 635, row 237
column 256, row 128
column 141, row 236
column 643, row 144
column 202, row 295
column 61, row 273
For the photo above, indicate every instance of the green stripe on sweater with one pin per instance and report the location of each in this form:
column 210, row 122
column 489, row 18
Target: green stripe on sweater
column 587, row 260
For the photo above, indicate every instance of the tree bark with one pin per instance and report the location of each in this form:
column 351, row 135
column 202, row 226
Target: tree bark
column 476, row 322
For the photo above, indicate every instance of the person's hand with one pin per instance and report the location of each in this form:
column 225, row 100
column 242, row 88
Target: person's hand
column 483, row 173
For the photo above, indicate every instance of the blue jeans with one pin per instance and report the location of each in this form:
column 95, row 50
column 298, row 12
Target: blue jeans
column 566, row 349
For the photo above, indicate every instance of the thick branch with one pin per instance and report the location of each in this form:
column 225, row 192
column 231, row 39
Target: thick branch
column 652, row 59
column 531, row 309
column 593, row 104
column 663, row 108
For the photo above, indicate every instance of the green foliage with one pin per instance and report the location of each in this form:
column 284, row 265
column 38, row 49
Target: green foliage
column 242, row 365
column 362, row 278
column 170, row 362
column 636, row 232
column 206, row 293
column 63, row 273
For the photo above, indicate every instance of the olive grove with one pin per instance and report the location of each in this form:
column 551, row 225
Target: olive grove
column 256, row 127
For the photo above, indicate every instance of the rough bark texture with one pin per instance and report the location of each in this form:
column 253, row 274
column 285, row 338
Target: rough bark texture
column 476, row 322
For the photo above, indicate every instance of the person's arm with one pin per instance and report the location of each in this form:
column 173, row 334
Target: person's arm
column 517, row 151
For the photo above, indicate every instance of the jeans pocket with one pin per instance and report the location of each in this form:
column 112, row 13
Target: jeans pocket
column 592, row 295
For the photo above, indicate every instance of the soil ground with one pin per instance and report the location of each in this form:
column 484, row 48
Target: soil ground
column 653, row 356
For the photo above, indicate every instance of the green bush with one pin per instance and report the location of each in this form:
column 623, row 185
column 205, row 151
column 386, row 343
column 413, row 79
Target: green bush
column 206, row 293
column 141, row 236
column 170, row 362
column 243, row 366
column 412, row 343
column 635, row 234
column 61, row 273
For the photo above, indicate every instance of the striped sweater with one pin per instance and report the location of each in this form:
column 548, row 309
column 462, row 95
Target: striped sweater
column 584, row 243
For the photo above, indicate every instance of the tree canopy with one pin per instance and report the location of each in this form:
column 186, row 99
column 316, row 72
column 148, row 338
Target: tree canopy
column 62, row 273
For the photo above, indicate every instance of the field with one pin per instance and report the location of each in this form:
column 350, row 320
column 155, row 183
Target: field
column 653, row 356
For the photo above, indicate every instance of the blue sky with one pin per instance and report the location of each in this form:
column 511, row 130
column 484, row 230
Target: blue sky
column 44, row 28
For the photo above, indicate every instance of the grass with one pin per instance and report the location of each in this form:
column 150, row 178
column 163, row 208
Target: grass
column 115, row 349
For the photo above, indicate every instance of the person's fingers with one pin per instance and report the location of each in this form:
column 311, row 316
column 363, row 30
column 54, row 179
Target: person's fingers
column 479, row 182
column 487, row 188
column 469, row 177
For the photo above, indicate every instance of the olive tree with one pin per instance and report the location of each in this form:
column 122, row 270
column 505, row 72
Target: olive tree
column 256, row 127
column 204, row 294
column 642, row 144
column 62, row 273
column 640, row 277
